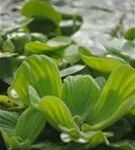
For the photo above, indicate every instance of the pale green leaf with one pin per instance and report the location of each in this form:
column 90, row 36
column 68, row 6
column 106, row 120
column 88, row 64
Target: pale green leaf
column 41, row 73
column 80, row 94
column 117, row 98
column 121, row 47
column 30, row 124
column 101, row 81
column 95, row 138
column 34, row 97
column 39, row 37
column 38, row 47
column 52, row 45
column 72, row 70
column 101, row 64
column 57, row 113
column 71, row 55
column 59, row 41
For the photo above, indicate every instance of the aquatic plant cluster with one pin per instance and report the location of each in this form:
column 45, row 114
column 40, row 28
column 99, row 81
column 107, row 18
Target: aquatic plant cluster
column 57, row 94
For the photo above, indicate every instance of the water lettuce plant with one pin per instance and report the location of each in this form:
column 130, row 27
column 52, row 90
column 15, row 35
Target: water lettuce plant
column 77, row 108
column 38, row 32
column 59, row 95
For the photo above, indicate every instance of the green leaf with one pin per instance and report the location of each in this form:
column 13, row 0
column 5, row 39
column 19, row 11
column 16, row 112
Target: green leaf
column 15, row 143
column 102, row 64
column 8, row 120
column 130, row 34
column 41, row 73
column 30, row 124
column 39, row 37
column 95, row 138
column 59, row 116
column 117, row 98
column 54, row 44
column 80, row 94
column 85, row 51
column 128, row 49
column 124, row 145
column 122, row 48
column 72, row 70
column 43, row 10
column 59, row 41
column 71, row 55
column 34, row 97
column 132, row 111
column 57, row 113
column 38, row 47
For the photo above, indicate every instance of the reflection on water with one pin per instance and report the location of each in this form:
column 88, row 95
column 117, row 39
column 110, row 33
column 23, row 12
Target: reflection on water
column 100, row 16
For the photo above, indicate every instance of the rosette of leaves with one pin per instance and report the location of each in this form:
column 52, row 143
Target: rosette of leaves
column 77, row 108
column 30, row 35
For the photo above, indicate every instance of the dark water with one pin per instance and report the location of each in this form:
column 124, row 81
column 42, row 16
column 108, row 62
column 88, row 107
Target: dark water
column 100, row 16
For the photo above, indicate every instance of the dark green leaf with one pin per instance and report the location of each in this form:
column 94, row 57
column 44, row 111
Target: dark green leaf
column 12, row 64
column 43, row 26
column 130, row 34
column 19, row 39
column 8, row 46
column 8, row 121
column 124, row 145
